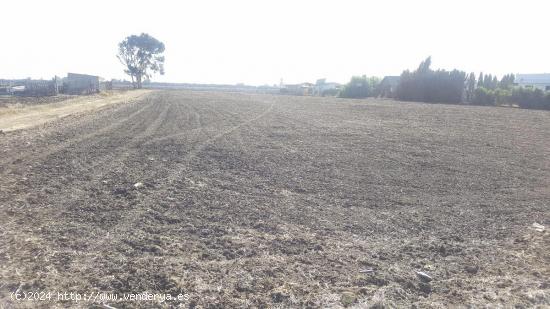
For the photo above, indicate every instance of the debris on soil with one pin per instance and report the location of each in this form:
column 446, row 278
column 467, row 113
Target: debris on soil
column 424, row 277
column 138, row 185
column 366, row 270
column 538, row 227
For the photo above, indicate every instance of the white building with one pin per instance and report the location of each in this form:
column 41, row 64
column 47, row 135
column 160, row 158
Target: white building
column 323, row 88
column 540, row 81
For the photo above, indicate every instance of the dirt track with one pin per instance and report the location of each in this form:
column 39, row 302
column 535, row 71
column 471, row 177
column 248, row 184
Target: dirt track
column 26, row 112
column 252, row 200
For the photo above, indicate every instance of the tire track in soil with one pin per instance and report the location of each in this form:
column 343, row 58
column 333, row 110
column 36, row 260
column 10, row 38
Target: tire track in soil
column 37, row 217
column 82, row 138
column 113, row 158
column 43, row 212
column 65, row 151
column 149, row 131
column 127, row 225
column 227, row 116
column 85, row 169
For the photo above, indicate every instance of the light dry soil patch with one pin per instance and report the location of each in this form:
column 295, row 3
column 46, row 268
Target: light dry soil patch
column 20, row 117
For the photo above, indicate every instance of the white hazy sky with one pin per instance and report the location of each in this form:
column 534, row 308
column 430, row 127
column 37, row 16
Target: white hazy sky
column 259, row 42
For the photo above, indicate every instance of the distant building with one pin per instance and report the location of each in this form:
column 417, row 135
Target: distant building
column 323, row 88
column 298, row 89
column 81, row 84
column 388, row 86
column 540, row 81
column 30, row 87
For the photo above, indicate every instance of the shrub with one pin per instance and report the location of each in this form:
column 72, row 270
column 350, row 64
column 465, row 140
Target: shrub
column 530, row 98
column 360, row 87
column 427, row 85
column 502, row 96
column 523, row 97
column 484, row 96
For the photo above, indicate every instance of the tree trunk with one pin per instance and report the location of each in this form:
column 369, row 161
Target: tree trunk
column 138, row 80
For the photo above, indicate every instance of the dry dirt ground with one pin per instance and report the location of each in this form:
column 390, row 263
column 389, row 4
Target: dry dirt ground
column 260, row 201
column 25, row 112
column 12, row 101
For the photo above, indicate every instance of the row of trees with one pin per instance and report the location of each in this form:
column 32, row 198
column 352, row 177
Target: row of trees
column 491, row 82
column 427, row 85
column 523, row 97
column 441, row 86
column 423, row 85
column 490, row 91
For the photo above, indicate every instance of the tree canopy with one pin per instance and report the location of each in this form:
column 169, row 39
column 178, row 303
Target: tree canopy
column 360, row 87
column 427, row 85
column 142, row 56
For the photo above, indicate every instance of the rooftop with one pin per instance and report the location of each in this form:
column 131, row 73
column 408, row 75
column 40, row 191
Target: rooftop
column 543, row 78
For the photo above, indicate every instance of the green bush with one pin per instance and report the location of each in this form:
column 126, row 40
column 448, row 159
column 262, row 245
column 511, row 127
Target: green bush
column 484, row 96
column 502, row 96
column 360, row 87
column 523, row 97
column 530, row 98
column 427, row 85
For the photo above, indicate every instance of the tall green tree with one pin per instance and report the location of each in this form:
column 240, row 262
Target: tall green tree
column 494, row 83
column 470, row 87
column 507, row 81
column 142, row 56
column 480, row 80
column 360, row 87
column 424, row 66
column 487, row 81
column 427, row 85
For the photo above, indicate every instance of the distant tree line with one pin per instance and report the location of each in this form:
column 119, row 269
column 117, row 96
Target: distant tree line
column 492, row 92
column 456, row 87
column 427, row 85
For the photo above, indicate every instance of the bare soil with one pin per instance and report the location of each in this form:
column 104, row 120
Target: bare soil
column 25, row 112
column 259, row 201
column 10, row 101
